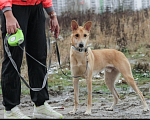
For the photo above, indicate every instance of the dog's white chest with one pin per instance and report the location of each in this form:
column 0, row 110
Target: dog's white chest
column 79, row 63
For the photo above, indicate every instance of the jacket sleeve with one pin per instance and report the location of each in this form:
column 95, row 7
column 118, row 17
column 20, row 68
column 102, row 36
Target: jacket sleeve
column 5, row 5
column 48, row 5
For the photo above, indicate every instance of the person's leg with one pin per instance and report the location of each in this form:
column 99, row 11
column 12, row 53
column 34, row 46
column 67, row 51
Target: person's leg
column 36, row 46
column 10, row 81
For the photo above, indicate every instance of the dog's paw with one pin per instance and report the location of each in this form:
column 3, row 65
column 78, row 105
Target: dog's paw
column 72, row 112
column 109, row 109
column 87, row 113
column 145, row 109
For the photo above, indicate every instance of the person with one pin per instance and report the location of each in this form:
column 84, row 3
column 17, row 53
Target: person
column 30, row 17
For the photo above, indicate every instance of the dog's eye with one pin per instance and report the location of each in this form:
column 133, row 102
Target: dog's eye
column 85, row 35
column 77, row 35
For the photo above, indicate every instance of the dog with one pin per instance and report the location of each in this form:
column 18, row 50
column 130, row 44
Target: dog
column 112, row 61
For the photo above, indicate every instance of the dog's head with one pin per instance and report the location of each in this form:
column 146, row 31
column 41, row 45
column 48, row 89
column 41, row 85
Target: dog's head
column 80, row 35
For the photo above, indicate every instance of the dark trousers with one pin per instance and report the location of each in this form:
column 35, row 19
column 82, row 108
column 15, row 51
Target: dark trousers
column 32, row 21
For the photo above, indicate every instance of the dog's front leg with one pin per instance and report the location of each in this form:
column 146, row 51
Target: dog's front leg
column 76, row 94
column 89, row 103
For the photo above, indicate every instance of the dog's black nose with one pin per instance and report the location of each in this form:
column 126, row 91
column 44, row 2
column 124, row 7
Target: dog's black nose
column 81, row 45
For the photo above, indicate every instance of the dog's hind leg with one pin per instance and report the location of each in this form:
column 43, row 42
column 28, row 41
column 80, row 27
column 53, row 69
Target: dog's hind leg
column 111, row 74
column 126, row 72
column 76, row 95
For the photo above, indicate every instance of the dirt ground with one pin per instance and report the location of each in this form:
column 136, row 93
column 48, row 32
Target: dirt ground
column 129, row 108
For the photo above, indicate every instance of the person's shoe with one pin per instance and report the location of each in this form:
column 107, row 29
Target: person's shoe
column 15, row 114
column 46, row 111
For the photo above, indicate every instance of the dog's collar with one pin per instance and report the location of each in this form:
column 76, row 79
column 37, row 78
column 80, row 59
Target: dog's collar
column 80, row 50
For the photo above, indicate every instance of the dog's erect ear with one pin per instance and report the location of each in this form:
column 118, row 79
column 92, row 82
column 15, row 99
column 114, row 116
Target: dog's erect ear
column 74, row 25
column 88, row 25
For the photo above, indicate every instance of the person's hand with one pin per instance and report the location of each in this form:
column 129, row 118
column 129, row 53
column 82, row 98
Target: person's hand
column 11, row 22
column 54, row 26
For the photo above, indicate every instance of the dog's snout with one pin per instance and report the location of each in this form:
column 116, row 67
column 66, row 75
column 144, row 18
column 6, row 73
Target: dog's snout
column 81, row 45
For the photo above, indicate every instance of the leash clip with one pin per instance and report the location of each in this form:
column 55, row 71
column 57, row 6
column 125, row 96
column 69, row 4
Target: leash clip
column 80, row 50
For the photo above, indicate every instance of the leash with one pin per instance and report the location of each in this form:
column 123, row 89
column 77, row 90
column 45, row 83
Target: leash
column 15, row 66
column 80, row 50
column 45, row 78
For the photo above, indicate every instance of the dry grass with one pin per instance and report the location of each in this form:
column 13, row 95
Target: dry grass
column 113, row 30
column 120, row 30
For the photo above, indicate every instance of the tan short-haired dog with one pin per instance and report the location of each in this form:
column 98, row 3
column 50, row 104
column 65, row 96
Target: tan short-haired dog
column 113, row 61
